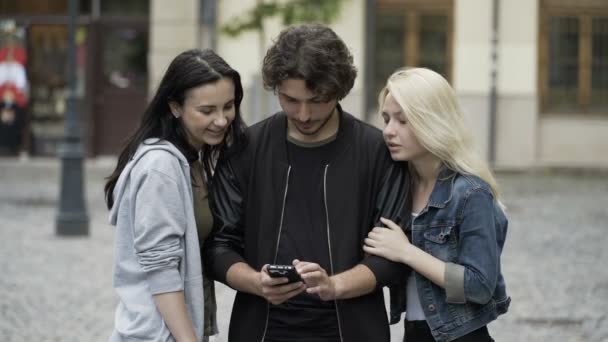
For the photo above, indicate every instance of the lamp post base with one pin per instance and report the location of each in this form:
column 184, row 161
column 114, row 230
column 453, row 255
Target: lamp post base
column 72, row 224
column 72, row 218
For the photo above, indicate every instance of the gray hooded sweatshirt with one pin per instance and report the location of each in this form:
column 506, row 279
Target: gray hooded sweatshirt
column 156, row 243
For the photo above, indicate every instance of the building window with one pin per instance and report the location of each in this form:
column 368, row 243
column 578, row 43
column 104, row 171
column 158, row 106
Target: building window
column 40, row 7
column 413, row 33
column 573, row 57
column 132, row 8
column 117, row 8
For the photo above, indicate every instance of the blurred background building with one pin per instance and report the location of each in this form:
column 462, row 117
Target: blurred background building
column 111, row 68
column 541, row 101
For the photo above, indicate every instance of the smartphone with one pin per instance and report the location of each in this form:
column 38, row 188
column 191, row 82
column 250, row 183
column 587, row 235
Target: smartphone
column 287, row 271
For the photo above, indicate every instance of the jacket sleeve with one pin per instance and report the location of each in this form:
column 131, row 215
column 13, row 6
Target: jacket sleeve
column 159, row 226
column 225, row 245
column 390, row 203
column 473, row 278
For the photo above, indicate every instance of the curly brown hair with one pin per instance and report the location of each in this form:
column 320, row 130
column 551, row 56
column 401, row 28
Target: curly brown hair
column 313, row 53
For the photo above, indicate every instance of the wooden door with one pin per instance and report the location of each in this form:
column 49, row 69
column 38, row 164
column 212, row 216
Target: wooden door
column 120, row 86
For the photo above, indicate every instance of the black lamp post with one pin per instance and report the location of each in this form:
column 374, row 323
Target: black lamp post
column 72, row 218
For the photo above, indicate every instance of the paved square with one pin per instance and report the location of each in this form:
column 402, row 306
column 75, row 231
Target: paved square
column 59, row 289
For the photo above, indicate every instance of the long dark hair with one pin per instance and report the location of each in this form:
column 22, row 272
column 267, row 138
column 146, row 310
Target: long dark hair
column 188, row 70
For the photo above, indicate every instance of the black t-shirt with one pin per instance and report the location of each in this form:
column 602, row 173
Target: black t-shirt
column 305, row 318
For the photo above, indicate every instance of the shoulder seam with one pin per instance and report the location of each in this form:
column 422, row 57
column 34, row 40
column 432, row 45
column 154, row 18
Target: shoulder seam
column 173, row 160
column 467, row 195
column 171, row 178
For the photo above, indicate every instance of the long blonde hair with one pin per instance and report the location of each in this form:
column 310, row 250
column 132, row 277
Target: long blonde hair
column 431, row 107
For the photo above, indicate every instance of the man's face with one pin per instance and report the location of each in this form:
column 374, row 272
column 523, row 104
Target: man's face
column 308, row 115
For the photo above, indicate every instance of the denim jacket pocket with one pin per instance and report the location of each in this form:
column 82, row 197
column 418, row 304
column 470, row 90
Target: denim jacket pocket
column 440, row 242
column 438, row 235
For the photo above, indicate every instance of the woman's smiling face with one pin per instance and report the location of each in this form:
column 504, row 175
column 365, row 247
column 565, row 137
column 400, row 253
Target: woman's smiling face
column 207, row 112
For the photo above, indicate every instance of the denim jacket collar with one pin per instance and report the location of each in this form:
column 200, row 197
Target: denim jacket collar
column 442, row 191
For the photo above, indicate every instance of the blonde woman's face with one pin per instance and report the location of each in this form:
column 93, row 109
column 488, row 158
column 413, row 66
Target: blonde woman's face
column 398, row 134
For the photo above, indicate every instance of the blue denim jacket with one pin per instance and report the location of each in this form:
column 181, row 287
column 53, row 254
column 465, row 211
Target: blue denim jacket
column 464, row 226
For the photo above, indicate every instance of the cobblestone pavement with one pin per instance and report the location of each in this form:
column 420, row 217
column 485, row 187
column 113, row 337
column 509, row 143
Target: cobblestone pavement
column 59, row 289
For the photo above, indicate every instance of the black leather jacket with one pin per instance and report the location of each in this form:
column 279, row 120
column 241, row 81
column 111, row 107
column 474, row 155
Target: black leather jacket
column 247, row 196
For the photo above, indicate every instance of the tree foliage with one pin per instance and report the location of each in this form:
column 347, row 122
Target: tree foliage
column 290, row 12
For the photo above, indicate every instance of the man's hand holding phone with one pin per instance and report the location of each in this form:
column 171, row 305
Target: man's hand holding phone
column 280, row 283
column 317, row 280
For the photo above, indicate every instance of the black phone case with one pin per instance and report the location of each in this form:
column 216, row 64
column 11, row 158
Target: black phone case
column 288, row 271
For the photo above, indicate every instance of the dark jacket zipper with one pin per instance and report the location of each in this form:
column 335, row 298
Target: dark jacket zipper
column 276, row 251
column 331, row 261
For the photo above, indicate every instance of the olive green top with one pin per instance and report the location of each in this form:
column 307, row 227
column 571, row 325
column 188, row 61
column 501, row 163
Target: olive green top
column 202, row 213
column 204, row 222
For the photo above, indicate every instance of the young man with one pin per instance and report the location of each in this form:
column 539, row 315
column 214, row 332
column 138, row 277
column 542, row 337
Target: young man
column 312, row 182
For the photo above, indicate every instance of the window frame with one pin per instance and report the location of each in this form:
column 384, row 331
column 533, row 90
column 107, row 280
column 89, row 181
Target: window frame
column 585, row 11
column 413, row 10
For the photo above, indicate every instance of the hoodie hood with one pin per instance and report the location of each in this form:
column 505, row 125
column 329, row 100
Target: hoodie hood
column 148, row 145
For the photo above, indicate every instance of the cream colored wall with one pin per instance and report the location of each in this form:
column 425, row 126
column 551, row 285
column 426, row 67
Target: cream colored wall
column 517, row 114
column 518, row 44
column 573, row 142
column 472, row 34
column 173, row 29
column 517, row 117
column 240, row 52
column 471, row 80
column 243, row 52
column 351, row 27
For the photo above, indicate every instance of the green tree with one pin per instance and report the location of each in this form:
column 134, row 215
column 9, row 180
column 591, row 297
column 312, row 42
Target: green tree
column 290, row 12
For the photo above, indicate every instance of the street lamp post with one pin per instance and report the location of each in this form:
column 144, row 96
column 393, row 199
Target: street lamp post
column 72, row 218
column 494, row 81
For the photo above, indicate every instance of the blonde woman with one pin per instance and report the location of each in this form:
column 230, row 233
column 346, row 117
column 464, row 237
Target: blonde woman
column 458, row 227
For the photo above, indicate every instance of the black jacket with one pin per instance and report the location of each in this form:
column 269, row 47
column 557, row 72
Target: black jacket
column 247, row 196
